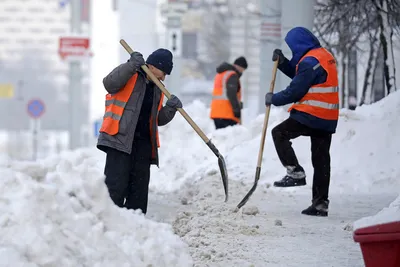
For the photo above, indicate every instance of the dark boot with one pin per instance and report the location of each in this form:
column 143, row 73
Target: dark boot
column 320, row 209
column 295, row 177
column 288, row 181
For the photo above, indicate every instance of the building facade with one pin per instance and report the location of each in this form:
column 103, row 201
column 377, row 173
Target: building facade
column 30, row 66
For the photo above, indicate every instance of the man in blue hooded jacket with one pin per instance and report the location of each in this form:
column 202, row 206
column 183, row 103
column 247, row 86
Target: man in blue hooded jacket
column 314, row 92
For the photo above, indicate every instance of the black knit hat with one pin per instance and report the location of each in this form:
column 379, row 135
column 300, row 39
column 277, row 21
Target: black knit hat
column 161, row 59
column 241, row 61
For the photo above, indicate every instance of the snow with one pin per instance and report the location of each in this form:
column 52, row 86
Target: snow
column 364, row 138
column 386, row 215
column 56, row 212
column 365, row 178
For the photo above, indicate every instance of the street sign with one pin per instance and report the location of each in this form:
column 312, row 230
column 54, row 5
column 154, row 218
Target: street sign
column 6, row 90
column 63, row 3
column 35, row 108
column 175, row 41
column 174, row 36
column 97, row 126
column 74, row 47
column 270, row 30
column 174, row 22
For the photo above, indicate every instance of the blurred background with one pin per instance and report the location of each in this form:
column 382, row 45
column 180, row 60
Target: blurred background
column 55, row 53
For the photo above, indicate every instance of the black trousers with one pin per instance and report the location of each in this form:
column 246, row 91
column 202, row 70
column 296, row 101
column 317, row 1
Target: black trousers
column 223, row 123
column 128, row 176
column 320, row 156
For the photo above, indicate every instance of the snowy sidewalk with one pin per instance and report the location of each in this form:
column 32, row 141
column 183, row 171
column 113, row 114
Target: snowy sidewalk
column 57, row 211
column 218, row 237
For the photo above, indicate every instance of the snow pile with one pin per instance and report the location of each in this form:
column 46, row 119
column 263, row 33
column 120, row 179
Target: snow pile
column 364, row 151
column 58, row 213
column 386, row 215
column 269, row 230
column 184, row 157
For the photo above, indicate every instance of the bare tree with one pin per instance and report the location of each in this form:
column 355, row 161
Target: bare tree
column 332, row 26
column 367, row 92
column 342, row 25
column 216, row 38
column 388, row 13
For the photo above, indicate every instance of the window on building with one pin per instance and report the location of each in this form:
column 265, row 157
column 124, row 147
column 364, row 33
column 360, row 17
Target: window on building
column 5, row 18
column 57, row 31
column 24, row 19
column 36, row 10
column 12, row 9
column 25, row 41
column 13, row 30
column 189, row 45
column 36, row 30
column 48, row 20
column 45, row 41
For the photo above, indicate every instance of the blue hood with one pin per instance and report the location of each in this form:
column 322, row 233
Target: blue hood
column 300, row 40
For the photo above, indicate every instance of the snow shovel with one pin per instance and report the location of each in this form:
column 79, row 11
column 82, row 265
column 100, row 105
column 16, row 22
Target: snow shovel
column 260, row 153
column 221, row 160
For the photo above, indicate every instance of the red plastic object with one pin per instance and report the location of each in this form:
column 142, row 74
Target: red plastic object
column 380, row 244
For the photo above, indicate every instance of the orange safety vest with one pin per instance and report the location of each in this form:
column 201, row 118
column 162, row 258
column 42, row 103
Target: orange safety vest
column 221, row 107
column 115, row 105
column 322, row 100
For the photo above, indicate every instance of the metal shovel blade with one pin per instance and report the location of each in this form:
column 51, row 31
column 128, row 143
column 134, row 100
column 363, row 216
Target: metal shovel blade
column 224, row 174
column 252, row 189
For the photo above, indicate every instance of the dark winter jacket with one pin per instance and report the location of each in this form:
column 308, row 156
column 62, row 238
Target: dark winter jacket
column 232, row 87
column 300, row 41
column 123, row 140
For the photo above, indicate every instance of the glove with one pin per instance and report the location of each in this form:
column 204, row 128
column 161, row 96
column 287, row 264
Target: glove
column 237, row 114
column 136, row 60
column 174, row 102
column 278, row 55
column 268, row 99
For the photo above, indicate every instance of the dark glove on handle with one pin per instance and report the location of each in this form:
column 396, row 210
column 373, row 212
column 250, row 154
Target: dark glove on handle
column 278, row 55
column 136, row 60
column 174, row 102
column 268, row 99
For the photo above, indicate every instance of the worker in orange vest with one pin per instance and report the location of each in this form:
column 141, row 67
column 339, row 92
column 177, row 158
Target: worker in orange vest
column 226, row 103
column 315, row 113
column 129, row 133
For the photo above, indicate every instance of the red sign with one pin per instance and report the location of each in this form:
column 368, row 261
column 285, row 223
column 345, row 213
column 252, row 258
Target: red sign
column 74, row 47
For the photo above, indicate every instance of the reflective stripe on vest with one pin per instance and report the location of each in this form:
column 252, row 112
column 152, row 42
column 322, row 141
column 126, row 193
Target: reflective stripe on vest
column 115, row 105
column 330, row 89
column 221, row 107
column 223, row 95
column 115, row 102
column 321, row 100
column 160, row 105
column 320, row 104
column 112, row 115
